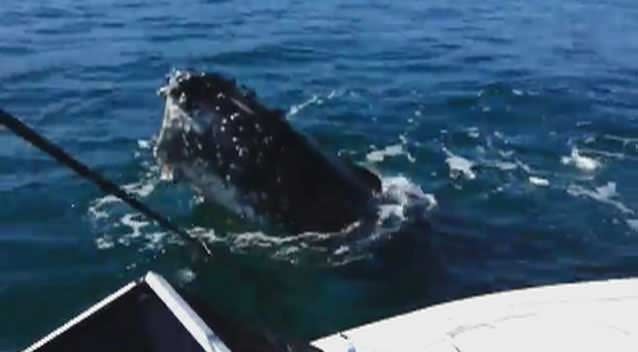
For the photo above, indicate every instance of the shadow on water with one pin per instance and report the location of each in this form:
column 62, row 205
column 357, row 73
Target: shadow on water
column 444, row 258
column 308, row 300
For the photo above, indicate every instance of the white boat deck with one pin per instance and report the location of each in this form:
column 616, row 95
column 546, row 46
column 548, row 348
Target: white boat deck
column 591, row 316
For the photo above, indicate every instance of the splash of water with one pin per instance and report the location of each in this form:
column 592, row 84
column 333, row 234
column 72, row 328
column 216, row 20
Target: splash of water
column 378, row 156
column 580, row 161
column 314, row 100
column 400, row 196
column 605, row 194
column 459, row 166
column 538, row 181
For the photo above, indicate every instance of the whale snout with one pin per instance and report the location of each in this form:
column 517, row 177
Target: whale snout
column 194, row 104
column 195, row 91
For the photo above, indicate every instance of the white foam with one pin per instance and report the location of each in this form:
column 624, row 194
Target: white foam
column 135, row 225
column 141, row 189
column 263, row 240
column 315, row 99
column 186, row 275
column 208, row 235
column 623, row 140
column 295, row 109
column 582, row 162
column 604, row 194
column 377, row 156
column 106, row 200
column 400, row 194
column 633, row 224
column 506, row 153
column 619, row 156
column 258, row 239
column 143, row 144
column 537, row 181
column 502, row 165
column 104, row 242
column 110, row 214
column 523, row 166
column 99, row 210
column 459, row 165
column 152, row 240
column 107, row 211
column 155, row 241
column 473, row 132
column 96, row 213
column 287, row 252
column 341, row 250
column 96, row 208
column 500, row 135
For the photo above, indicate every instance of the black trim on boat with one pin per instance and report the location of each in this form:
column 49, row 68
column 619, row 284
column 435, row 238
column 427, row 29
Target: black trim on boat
column 148, row 315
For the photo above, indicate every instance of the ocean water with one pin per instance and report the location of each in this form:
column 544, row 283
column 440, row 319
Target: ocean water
column 518, row 119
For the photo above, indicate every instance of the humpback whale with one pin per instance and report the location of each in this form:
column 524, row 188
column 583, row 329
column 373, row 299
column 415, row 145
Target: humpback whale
column 248, row 158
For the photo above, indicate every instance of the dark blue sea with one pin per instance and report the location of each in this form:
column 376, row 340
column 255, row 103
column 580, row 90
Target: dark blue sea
column 519, row 119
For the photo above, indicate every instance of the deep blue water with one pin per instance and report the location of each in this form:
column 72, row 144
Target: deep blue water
column 519, row 117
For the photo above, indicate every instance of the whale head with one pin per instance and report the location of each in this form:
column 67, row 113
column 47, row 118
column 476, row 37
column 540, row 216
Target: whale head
column 213, row 136
column 238, row 153
column 201, row 117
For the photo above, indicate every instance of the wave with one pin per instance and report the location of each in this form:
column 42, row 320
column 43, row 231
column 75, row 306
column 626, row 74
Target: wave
column 580, row 161
column 401, row 199
column 314, row 100
column 604, row 194
column 379, row 155
column 459, row 166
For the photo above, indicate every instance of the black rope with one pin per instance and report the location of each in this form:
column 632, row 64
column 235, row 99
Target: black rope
column 24, row 131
